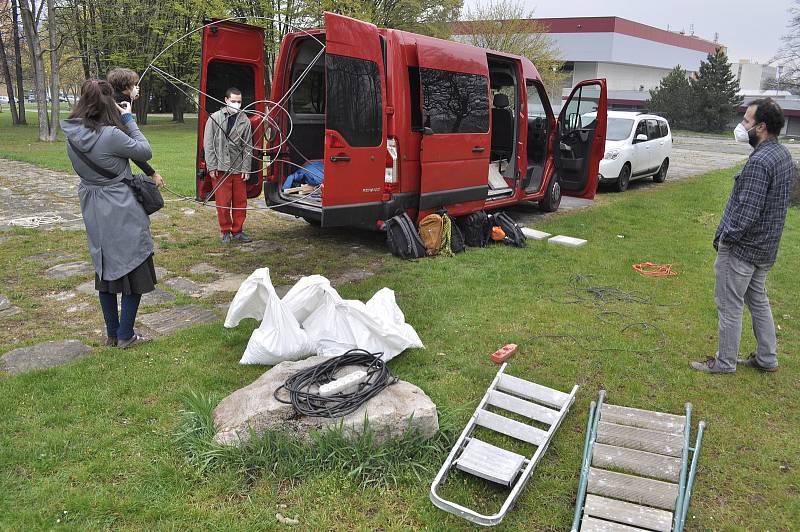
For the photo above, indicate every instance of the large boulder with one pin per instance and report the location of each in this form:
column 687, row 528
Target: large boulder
column 254, row 408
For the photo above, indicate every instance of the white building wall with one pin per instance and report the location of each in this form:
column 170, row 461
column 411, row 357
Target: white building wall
column 630, row 77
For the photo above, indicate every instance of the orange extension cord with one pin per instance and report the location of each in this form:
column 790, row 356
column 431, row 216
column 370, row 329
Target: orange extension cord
column 648, row 269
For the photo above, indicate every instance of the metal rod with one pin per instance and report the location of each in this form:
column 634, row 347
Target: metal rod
column 591, row 435
column 692, row 472
column 687, row 433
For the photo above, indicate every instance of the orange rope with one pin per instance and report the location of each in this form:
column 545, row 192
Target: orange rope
column 648, row 269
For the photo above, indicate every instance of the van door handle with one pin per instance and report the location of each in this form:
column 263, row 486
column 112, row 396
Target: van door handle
column 337, row 158
column 478, row 149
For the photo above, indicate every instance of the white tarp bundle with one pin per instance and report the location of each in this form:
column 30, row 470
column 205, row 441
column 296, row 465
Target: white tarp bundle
column 313, row 319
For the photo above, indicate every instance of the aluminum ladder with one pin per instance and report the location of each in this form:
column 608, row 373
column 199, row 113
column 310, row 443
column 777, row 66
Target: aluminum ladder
column 505, row 467
column 634, row 472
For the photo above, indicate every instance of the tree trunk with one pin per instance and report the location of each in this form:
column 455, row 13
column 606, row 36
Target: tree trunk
column 176, row 102
column 55, row 92
column 23, row 120
column 141, row 106
column 35, row 48
column 9, row 83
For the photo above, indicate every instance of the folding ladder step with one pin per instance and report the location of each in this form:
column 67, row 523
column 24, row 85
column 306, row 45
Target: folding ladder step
column 533, row 391
column 511, row 427
column 633, row 489
column 645, row 419
column 522, row 407
column 590, row 524
column 640, row 462
column 627, row 513
column 492, row 463
column 642, row 439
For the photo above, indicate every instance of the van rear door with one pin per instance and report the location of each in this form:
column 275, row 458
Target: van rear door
column 355, row 123
column 232, row 56
column 581, row 138
column 456, row 143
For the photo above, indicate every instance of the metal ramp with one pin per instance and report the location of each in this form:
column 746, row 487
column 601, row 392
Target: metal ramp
column 634, row 473
column 503, row 466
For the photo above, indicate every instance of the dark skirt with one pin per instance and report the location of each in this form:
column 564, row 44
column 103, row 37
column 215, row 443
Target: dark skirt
column 140, row 280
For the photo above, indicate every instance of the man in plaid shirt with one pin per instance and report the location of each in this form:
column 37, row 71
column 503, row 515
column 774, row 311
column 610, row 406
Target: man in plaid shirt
column 747, row 241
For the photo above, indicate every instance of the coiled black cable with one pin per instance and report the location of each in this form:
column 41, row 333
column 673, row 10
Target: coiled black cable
column 310, row 403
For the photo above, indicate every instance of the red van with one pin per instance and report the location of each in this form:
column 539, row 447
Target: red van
column 403, row 122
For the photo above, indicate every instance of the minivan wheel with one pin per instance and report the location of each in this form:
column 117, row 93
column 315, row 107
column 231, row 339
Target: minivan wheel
column 552, row 198
column 624, row 178
column 661, row 175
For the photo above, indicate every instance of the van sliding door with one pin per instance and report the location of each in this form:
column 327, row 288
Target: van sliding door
column 456, row 142
column 355, row 123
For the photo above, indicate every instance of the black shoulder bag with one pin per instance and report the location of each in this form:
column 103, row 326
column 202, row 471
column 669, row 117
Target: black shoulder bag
column 143, row 188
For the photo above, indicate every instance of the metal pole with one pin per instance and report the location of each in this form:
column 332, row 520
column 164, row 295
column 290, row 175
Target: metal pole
column 591, row 434
column 692, row 472
column 687, row 432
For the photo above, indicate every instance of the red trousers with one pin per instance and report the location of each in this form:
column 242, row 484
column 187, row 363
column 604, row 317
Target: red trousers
column 232, row 193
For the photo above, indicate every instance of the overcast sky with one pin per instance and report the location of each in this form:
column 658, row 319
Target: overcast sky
column 750, row 30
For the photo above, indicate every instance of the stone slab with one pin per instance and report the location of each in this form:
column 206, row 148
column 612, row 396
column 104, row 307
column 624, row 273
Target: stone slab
column 79, row 307
column 86, row 288
column 229, row 282
column 185, row 286
column 157, row 297
column 4, row 302
column 10, row 311
column 174, row 319
column 162, row 272
column 352, row 275
column 569, row 241
column 61, row 296
column 45, row 355
column 261, row 247
column 69, row 269
column 203, row 268
column 51, row 256
column 255, row 408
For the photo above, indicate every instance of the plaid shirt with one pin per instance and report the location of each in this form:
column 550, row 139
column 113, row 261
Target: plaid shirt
column 753, row 220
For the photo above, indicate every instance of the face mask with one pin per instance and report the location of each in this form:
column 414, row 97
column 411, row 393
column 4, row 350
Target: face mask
column 234, row 105
column 742, row 134
column 135, row 92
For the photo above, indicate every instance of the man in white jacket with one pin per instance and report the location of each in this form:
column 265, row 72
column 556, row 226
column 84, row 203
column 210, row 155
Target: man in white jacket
column 227, row 143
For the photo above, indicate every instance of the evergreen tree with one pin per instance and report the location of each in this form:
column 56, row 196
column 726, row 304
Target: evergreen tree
column 714, row 97
column 671, row 98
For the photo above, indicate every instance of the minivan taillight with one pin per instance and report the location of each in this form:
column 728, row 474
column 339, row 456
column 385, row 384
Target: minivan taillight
column 391, row 176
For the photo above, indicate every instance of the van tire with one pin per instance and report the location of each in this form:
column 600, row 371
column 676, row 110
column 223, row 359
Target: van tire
column 552, row 198
column 624, row 178
column 661, row 175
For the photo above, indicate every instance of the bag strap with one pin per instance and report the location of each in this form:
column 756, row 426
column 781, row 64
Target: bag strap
column 91, row 164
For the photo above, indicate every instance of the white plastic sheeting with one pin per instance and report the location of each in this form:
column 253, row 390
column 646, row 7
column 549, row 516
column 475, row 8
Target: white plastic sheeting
column 312, row 318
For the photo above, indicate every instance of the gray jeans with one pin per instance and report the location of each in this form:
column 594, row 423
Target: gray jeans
column 740, row 282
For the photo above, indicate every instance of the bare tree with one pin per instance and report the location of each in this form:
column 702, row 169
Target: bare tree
column 7, row 73
column 508, row 26
column 18, row 62
column 788, row 57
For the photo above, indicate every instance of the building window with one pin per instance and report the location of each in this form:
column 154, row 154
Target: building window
column 454, row 102
column 354, row 100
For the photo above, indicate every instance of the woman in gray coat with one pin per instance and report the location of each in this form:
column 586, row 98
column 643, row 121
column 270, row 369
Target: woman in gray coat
column 117, row 228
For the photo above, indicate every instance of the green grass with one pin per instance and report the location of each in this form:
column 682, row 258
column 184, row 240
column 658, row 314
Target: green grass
column 100, row 439
column 173, row 159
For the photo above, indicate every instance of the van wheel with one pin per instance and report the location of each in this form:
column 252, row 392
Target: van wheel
column 661, row 175
column 624, row 178
column 552, row 198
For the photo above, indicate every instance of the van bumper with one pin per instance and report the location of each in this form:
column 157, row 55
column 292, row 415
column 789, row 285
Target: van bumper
column 362, row 215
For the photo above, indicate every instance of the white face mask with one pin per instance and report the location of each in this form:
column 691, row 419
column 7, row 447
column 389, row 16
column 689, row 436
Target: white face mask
column 234, row 105
column 135, row 92
column 741, row 133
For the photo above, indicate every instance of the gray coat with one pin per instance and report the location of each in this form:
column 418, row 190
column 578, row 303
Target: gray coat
column 117, row 228
column 231, row 152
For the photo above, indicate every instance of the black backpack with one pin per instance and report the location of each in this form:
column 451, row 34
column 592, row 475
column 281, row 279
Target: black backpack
column 457, row 244
column 476, row 229
column 403, row 239
column 514, row 234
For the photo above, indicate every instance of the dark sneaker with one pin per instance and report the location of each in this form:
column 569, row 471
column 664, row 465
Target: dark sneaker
column 708, row 365
column 241, row 237
column 226, row 238
column 111, row 341
column 136, row 339
column 751, row 362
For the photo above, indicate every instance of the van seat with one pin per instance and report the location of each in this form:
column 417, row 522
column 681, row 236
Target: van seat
column 502, row 128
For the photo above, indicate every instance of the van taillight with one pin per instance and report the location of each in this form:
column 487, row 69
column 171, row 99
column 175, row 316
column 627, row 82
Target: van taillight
column 391, row 176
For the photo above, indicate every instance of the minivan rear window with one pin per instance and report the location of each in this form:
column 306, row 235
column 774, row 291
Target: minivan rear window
column 454, row 102
column 354, row 100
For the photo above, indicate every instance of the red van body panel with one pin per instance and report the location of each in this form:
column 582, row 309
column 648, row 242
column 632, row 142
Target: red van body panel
column 364, row 184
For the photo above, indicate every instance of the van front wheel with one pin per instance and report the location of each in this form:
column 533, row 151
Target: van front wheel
column 552, row 198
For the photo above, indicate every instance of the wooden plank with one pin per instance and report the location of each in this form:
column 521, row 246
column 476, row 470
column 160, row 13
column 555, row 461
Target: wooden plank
column 511, row 427
column 299, row 190
column 645, row 419
column 532, row 391
column 637, row 490
column 640, row 462
column 590, row 524
column 628, row 513
column 522, row 407
column 652, row 441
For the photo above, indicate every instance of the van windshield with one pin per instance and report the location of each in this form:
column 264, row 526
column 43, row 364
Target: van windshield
column 618, row 128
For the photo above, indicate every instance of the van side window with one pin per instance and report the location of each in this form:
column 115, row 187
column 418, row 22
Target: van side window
column 664, row 129
column 454, row 102
column 641, row 129
column 653, row 131
column 415, row 94
column 354, row 100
